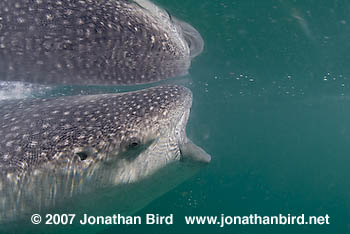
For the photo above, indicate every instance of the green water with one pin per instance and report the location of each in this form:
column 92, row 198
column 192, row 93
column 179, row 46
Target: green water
column 271, row 105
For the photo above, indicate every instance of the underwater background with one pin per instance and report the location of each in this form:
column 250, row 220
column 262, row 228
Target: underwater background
column 272, row 106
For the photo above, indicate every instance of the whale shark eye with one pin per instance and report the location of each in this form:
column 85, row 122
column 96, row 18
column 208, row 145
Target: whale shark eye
column 132, row 147
column 82, row 155
column 133, row 143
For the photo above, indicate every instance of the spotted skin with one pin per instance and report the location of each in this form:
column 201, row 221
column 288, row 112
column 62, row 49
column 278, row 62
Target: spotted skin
column 53, row 152
column 38, row 131
column 90, row 42
column 94, row 154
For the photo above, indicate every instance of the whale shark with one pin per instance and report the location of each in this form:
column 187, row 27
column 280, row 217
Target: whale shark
column 93, row 42
column 96, row 154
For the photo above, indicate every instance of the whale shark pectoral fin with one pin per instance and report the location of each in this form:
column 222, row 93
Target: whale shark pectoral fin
column 193, row 153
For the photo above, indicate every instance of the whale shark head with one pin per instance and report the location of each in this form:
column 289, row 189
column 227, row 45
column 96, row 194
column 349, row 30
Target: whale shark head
column 97, row 153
